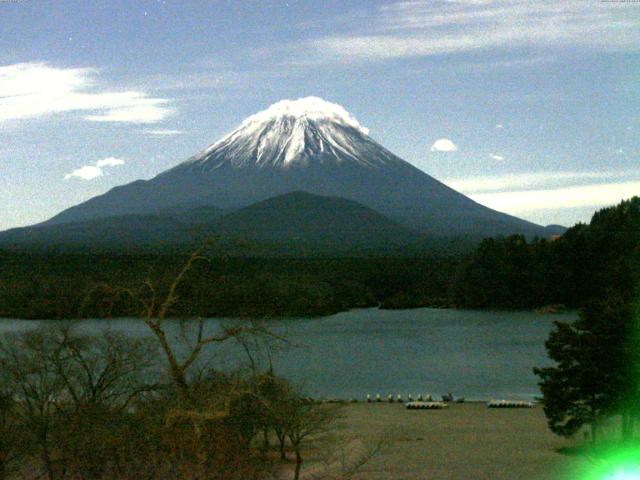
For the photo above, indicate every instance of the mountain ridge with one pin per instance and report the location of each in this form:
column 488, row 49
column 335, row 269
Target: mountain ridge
column 299, row 218
column 314, row 146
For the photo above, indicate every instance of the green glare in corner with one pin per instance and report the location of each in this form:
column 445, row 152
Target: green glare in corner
column 624, row 475
column 622, row 463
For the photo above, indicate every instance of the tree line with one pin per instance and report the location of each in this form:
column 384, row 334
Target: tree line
column 585, row 263
column 596, row 371
column 36, row 285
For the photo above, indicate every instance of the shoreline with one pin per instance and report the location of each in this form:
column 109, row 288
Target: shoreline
column 311, row 316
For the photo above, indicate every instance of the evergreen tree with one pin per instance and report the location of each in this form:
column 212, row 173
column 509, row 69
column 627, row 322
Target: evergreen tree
column 596, row 373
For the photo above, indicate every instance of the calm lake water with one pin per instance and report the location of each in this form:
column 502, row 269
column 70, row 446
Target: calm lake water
column 475, row 354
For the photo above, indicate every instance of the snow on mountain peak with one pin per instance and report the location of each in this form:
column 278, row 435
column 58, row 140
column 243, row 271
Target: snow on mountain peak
column 295, row 132
column 311, row 108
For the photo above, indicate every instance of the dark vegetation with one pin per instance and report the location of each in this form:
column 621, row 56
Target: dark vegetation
column 583, row 264
column 596, row 375
column 597, row 371
column 74, row 406
column 65, row 285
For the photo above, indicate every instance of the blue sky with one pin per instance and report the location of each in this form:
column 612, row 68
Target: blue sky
column 539, row 100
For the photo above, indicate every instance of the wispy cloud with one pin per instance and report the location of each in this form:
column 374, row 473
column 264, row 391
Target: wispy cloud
column 163, row 132
column 534, row 180
column 89, row 172
column 598, row 195
column 32, row 90
column 525, row 193
column 421, row 28
column 509, row 63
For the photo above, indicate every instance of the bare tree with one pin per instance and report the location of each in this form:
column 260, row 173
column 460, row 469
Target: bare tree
column 69, row 388
column 26, row 368
column 109, row 369
column 203, row 406
column 10, row 432
column 155, row 311
column 272, row 392
column 303, row 422
column 344, row 458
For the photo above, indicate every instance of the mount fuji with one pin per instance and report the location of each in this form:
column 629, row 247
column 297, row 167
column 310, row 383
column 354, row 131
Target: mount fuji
column 305, row 145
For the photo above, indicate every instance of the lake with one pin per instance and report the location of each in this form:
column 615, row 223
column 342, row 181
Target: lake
column 475, row 354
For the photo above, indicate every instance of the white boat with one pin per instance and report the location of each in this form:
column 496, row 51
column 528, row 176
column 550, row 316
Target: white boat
column 425, row 405
column 509, row 404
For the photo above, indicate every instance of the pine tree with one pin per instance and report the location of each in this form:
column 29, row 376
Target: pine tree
column 596, row 372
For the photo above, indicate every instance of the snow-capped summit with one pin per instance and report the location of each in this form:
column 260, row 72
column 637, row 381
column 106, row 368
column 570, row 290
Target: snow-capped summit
column 292, row 133
column 309, row 108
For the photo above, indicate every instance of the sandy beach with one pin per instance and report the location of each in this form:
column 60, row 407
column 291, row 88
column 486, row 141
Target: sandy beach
column 465, row 441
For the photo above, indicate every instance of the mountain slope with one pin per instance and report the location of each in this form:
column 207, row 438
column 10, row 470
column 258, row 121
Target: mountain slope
column 300, row 219
column 117, row 231
column 309, row 145
column 314, row 220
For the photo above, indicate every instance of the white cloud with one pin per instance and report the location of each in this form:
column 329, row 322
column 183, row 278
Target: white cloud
column 421, row 28
column 499, row 126
column 510, row 63
column 534, row 195
column 33, row 90
column 163, row 132
column 598, row 195
column 532, row 180
column 499, row 158
column 109, row 162
column 443, row 145
column 145, row 112
column 89, row 172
